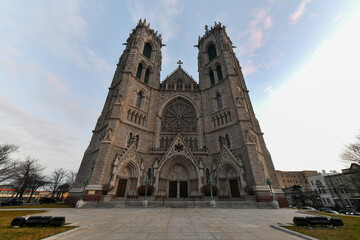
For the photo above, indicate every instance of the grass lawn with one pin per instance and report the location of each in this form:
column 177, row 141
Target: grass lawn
column 351, row 229
column 46, row 205
column 8, row 232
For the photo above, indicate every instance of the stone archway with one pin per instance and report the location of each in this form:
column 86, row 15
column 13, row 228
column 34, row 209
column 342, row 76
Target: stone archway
column 178, row 178
column 125, row 179
column 229, row 180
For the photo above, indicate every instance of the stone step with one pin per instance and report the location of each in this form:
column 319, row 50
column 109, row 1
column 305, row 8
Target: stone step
column 179, row 204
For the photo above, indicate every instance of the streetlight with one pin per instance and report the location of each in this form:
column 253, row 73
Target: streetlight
column 212, row 202
column 274, row 202
column 210, row 181
column 147, row 181
column 145, row 202
column 86, row 181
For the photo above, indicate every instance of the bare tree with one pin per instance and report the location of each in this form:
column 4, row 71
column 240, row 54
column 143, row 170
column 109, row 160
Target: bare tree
column 7, row 166
column 352, row 151
column 57, row 178
column 26, row 172
column 70, row 179
column 35, row 183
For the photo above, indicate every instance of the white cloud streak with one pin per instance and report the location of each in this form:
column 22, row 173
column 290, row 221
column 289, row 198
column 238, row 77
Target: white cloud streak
column 299, row 12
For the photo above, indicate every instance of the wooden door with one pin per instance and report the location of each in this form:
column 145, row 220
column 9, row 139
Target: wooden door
column 183, row 189
column 172, row 189
column 234, row 188
column 121, row 188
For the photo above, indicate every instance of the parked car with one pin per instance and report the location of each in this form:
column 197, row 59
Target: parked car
column 47, row 200
column 349, row 211
column 11, row 202
column 322, row 209
column 309, row 208
column 332, row 211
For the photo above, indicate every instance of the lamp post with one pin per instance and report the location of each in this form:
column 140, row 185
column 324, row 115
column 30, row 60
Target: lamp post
column 274, row 202
column 147, row 181
column 86, row 181
column 212, row 202
column 81, row 203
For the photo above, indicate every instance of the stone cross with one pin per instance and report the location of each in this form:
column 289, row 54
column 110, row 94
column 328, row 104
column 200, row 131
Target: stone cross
column 179, row 62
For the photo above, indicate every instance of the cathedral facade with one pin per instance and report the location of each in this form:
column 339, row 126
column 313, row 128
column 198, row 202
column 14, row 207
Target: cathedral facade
column 178, row 132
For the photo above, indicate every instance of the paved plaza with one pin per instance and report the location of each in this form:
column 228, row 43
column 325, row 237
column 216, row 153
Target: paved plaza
column 176, row 223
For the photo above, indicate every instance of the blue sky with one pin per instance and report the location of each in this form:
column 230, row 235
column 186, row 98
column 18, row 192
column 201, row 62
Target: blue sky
column 299, row 57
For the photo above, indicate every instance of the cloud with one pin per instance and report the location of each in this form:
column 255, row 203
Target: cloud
column 161, row 13
column 338, row 17
column 299, row 12
column 54, row 143
column 268, row 22
column 248, row 67
column 33, row 72
column 254, row 34
column 57, row 26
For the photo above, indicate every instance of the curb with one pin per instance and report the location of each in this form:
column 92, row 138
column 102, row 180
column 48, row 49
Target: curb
column 59, row 235
column 278, row 227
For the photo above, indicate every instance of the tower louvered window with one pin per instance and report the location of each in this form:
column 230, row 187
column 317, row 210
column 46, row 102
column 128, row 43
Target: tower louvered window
column 139, row 71
column 147, row 50
column 219, row 73
column 212, row 78
column 147, row 75
column 212, row 52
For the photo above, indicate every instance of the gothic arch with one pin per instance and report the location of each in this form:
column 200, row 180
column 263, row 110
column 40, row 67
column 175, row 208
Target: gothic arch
column 181, row 96
column 181, row 160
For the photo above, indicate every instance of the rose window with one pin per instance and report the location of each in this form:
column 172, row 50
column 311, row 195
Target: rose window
column 179, row 116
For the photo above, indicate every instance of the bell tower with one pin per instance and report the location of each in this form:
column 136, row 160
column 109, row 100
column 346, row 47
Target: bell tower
column 125, row 120
column 228, row 116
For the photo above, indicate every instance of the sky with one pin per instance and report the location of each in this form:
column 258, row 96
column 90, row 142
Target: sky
column 299, row 58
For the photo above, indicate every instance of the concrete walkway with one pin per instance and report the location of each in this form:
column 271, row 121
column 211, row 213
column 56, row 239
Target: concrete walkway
column 175, row 223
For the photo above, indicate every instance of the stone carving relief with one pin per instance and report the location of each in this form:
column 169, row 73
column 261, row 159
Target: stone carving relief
column 108, row 136
column 179, row 116
column 251, row 137
column 178, row 172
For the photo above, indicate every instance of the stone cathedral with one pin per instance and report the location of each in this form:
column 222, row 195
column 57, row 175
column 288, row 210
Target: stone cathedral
column 178, row 132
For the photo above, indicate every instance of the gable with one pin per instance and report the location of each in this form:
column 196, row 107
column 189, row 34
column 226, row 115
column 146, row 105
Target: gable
column 179, row 75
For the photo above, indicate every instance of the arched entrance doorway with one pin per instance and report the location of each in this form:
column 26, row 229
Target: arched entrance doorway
column 178, row 178
column 229, row 180
column 126, row 179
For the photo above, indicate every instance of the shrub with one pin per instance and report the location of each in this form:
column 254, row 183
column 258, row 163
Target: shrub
column 206, row 190
column 249, row 190
column 150, row 190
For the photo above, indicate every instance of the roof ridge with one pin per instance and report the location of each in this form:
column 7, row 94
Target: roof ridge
column 181, row 68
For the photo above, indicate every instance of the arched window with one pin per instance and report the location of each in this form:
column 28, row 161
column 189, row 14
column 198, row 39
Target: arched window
column 219, row 101
column 227, row 138
column 139, row 71
column 219, row 73
column 212, row 78
column 147, row 50
column 220, row 141
column 139, row 99
column 147, row 75
column 211, row 52
column 149, row 173
column 137, row 140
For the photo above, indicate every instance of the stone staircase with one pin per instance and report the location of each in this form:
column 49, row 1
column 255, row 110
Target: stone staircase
column 247, row 203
